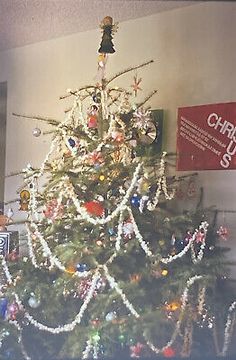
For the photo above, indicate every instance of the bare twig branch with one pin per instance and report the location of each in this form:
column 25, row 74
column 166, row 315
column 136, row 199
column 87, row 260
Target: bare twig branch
column 128, row 70
column 36, row 117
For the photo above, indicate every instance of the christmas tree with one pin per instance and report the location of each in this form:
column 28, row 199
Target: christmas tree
column 111, row 268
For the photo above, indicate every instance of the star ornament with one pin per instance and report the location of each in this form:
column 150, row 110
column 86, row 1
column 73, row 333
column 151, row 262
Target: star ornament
column 223, row 233
column 136, row 350
column 135, row 85
column 200, row 237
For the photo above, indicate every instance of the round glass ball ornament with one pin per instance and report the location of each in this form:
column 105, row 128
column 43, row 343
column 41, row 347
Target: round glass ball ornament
column 110, row 316
column 36, row 132
column 97, row 97
column 3, row 307
column 135, row 200
column 33, row 302
column 82, row 267
column 71, row 142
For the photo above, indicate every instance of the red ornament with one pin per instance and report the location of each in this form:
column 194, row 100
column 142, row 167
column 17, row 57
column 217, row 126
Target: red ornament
column 96, row 158
column 85, row 285
column 136, row 350
column 94, row 208
column 200, row 237
column 95, row 322
column 168, row 352
column 93, row 122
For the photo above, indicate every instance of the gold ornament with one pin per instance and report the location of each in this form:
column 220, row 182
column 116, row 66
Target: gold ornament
column 24, row 200
column 102, row 177
column 164, row 272
column 173, row 306
column 70, row 269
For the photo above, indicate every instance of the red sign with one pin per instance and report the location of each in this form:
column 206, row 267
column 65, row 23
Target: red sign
column 206, row 137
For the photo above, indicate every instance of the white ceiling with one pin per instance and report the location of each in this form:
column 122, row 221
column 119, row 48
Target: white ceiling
column 24, row 22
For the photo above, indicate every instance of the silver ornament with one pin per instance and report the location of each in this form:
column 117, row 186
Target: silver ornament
column 110, row 316
column 36, row 132
column 33, row 302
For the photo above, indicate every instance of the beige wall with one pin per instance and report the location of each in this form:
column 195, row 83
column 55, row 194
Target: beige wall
column 195, row 57
column 3, row 115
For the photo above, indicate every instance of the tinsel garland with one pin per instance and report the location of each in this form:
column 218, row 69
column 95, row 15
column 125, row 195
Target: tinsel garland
column 67, row 327
column 188, row 338
column 92, row 346
column 138, row 235
column 6, row 271
column 83, row 215
column 198, row 258
column 161, row 186
column 195, row 258
column 30, row 247
column 119, row 231
column 4, row 333
column 184, row 300
column 201, row 300
column 54, row 260
column 20, row 340
column 229, row 327
column 114, row 285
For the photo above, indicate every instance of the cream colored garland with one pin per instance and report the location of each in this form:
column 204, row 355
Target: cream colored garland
column 56, row 262
column 70, row 326
column 90, row 347
column 184, row 300
column 161, row 186
column 188, row 339
column 4, row 333
column 114, row 285
column 229, row 328
column 201, row 300
column 20, row 340
column 195, row 258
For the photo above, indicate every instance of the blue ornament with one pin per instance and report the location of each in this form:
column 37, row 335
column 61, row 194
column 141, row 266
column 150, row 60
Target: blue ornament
column 3, row 307
column 97, row 166
column 111, row 231
column 96, row 97
column 179, row 245
column 135, row 200
column 71, row 142
column 82, row 267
